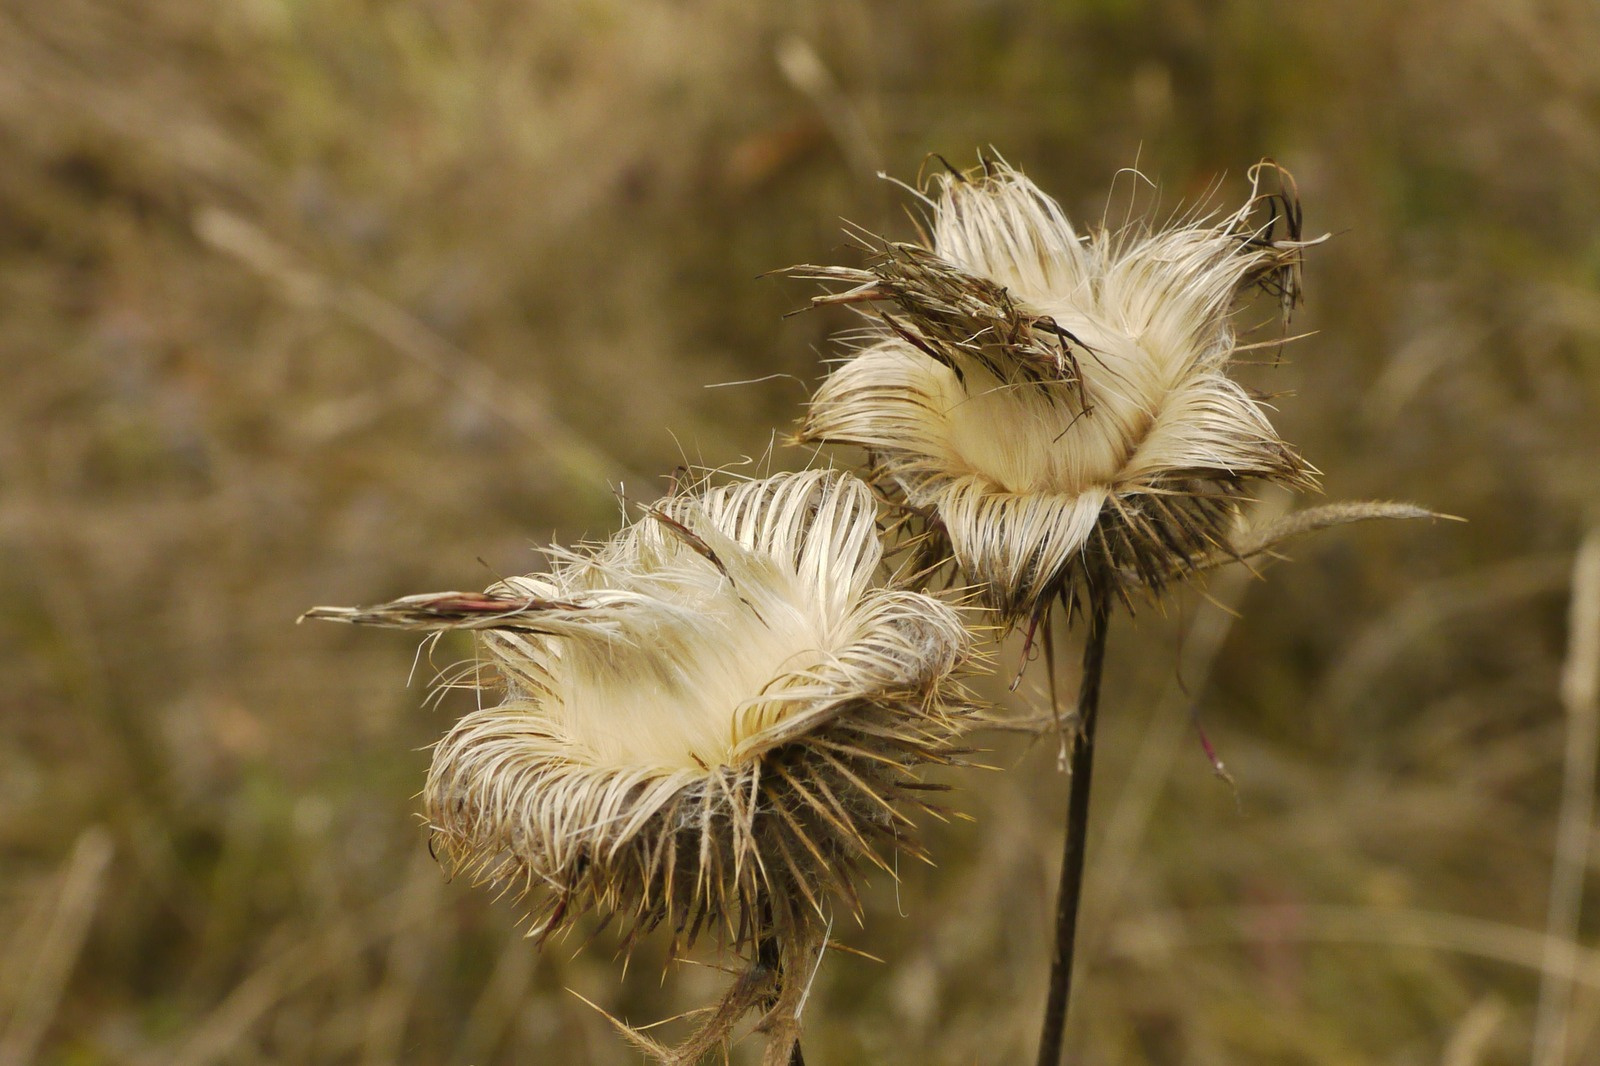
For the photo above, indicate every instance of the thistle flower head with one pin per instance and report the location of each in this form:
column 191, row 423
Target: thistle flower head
column 708, row 721
column 1053, row 401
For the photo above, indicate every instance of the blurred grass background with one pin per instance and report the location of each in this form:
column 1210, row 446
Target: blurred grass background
column 330, row 302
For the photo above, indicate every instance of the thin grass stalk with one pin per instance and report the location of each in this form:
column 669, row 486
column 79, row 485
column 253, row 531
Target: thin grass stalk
column 1580, row 694
column 1075, row 842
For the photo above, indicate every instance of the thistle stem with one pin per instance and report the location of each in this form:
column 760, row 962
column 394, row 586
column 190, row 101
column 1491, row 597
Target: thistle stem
column 769, row 956
column 1076, row 839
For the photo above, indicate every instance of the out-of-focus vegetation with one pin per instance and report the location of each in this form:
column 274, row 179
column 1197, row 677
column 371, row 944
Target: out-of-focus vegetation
column 329, row 302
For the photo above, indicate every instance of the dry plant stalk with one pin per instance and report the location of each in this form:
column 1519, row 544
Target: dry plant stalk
column 1051, row 413
column 1580, row 696
column 709, row 722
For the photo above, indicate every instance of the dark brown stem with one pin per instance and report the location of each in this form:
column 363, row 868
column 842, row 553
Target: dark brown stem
column 1067, row 896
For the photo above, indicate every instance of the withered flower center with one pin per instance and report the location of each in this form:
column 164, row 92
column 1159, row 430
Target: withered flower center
column 1063, row 437
column 682, row 692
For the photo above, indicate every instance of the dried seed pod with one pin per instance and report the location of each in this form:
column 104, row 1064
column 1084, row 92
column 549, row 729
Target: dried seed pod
column 708, row 722
column 1056, row 404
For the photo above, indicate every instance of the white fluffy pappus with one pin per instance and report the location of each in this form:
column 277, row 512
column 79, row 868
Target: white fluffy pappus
column 708, row 721
column 1044, row 397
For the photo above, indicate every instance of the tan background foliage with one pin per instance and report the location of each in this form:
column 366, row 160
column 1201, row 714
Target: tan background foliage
column 330, row 302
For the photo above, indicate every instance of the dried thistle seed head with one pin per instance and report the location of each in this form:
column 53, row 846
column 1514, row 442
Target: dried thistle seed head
column 1054, row 402
column 709, row 721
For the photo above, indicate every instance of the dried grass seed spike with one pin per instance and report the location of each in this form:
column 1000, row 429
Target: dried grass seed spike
column 1050, row 399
